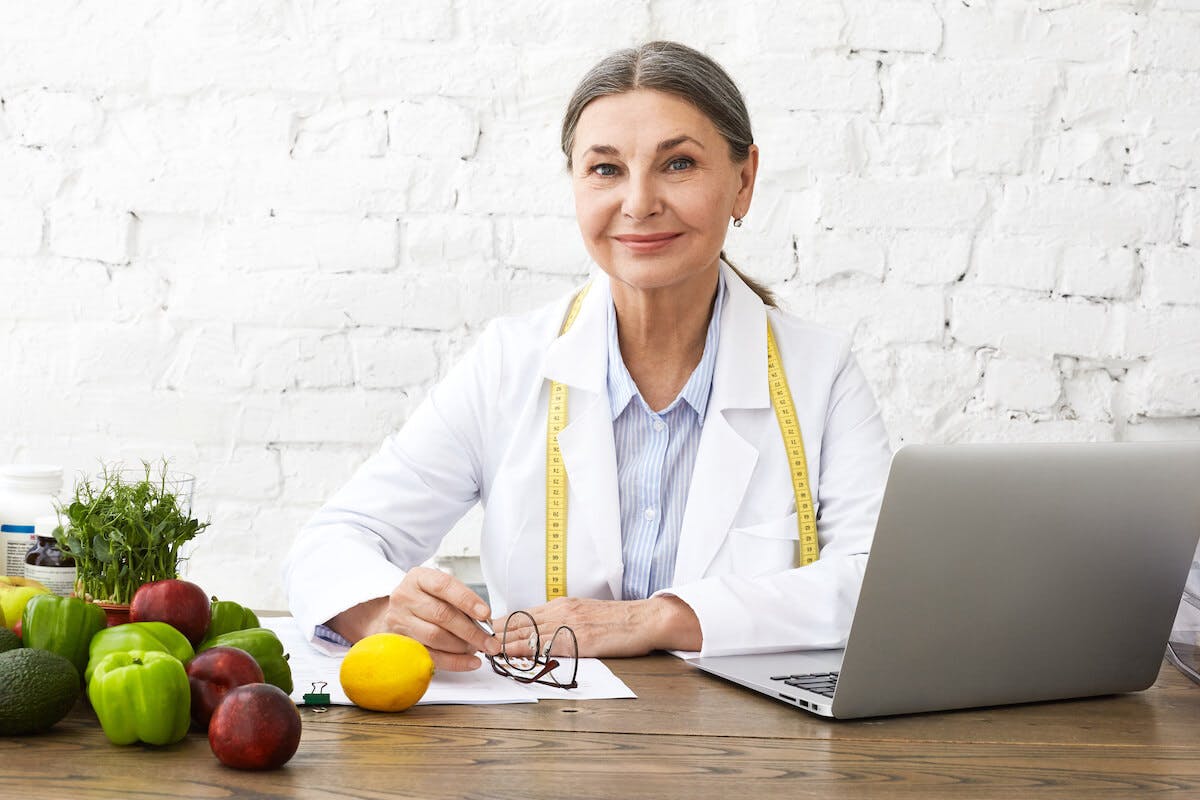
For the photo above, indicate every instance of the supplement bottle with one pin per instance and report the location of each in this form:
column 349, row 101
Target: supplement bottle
column 26, row 493
column 46, row 563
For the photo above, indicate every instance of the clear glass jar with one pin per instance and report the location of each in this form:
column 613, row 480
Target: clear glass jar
column 26, row 493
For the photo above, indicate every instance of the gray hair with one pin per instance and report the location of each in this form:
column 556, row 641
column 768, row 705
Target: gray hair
column 678, row 70
column 674, row 69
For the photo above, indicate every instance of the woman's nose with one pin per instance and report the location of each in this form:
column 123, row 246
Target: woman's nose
column 642, row 198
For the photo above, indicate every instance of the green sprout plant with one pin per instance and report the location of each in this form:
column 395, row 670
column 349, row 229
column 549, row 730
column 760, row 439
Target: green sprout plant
column 124, row 530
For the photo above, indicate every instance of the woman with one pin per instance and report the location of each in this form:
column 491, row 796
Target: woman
column 678, row 488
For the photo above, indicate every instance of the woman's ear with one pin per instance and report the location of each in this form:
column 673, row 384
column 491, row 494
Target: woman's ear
column 747, row 172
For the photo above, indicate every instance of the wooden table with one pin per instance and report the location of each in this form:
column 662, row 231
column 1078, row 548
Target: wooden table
column 687, row 735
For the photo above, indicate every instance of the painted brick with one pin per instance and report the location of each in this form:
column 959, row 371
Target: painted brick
column 933, row 385
column 705, row 25
column 984, row 429
column 407, row 300
column 997, row 145
column 92, row 233
column 423, row 22
column 1190, row 219
column 1018, row 262
column 1165, row 157
column 835, row 255
column 781, row 26
column 394, row 361
column 345, row 131
column 61, row 120
column 1029, row 326
column 21, row 226
column 1147, row 330
column 1097, row 272
column 544, row 244
column 281, row 360
column 817, row 83
column 1093, row 96
column 851, row 203
column 921, row 258
column 876, row 314
column 893, row 26
column 930, row 91
column 1084, row 154
column 338, row 416
column 602, row 27
column 54, row 289
column 434, row 126
column 445, row 239
column 312, row 473
column 245, row 473
column 1164, row 99
column 1087, row 213
column 314, row 242
column 1089, row 393
column 1167, row 41
column 1020, row 384
column 1026, row 32
column 799, row 144
column 1171, row 275
column 904, row 151
column 1167, row 384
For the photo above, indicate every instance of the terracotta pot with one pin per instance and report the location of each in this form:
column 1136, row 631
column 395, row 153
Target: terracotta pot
column 117, row 613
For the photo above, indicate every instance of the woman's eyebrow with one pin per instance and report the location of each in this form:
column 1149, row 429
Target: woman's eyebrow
column 666, row 144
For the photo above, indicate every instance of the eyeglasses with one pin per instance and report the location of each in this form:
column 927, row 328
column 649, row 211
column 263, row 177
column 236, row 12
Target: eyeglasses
column 554, row 664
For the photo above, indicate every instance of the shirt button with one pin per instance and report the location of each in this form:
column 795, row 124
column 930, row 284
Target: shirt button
column 650, row 514
column 659, row 425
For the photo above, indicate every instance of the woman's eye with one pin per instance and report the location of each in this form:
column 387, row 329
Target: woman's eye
column 679, row 164
column 604, row 170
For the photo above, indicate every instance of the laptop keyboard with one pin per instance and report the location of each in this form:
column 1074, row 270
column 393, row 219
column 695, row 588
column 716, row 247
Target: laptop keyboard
column 823, row 683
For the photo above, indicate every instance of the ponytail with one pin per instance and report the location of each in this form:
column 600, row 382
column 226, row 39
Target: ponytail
column 764, row 294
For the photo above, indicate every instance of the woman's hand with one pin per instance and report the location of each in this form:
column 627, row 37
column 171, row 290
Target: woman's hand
column 432, row 607
column 611, row 628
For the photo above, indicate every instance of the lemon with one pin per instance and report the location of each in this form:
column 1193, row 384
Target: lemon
column 386, row 672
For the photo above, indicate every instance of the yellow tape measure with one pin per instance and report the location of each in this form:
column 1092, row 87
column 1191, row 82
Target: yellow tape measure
column 556, row 475
column 793, row 442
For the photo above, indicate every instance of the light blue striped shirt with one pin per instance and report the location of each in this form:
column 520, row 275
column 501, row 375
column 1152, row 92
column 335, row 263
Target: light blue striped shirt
column 656, row 453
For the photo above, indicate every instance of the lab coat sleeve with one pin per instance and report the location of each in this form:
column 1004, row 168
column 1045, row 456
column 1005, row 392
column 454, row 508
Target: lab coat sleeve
column 396, row 509
column 810, row 607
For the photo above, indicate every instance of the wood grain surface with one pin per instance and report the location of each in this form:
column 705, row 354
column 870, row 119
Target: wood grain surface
column 687, row 735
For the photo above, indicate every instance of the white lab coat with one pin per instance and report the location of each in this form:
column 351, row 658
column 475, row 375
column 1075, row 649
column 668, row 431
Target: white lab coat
column 480, row 436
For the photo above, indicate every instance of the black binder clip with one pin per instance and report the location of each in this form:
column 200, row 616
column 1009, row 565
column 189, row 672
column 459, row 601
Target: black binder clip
column 318, row 699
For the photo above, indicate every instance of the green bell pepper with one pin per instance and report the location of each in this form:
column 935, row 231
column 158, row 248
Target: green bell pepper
column 141, row 696
column 156, row 636
column 63, row 625
column 227, row 617
column 264, row 645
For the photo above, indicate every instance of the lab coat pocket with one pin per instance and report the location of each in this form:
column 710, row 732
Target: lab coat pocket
column 765, row 548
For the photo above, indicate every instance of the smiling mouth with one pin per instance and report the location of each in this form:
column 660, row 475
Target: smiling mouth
column 646, row 243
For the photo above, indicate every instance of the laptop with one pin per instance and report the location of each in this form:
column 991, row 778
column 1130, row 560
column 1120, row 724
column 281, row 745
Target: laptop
column 1005, row 573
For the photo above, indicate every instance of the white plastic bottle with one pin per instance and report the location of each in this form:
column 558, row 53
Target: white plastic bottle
column 26, row 493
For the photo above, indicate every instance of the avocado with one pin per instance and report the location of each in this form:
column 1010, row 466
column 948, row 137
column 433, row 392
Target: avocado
column 37, row 689
column 8, row 639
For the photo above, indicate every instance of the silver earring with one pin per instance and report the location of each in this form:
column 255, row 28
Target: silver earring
column 737, row 222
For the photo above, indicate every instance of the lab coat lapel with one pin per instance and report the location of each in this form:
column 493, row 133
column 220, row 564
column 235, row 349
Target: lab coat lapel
column 579, row 359
column 725, row 460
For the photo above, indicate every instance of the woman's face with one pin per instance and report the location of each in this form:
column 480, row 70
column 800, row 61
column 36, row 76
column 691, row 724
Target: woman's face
column 655, row 188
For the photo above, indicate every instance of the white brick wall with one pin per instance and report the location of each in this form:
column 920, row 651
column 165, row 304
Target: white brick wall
column 251, row 239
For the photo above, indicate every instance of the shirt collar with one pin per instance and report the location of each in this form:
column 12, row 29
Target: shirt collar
column 622, row 389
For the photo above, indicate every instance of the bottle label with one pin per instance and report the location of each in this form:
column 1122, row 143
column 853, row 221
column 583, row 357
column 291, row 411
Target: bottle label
column 60, row 580
column 15, row 541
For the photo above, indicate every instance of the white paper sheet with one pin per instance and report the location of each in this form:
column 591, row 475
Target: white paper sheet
column 480, row 687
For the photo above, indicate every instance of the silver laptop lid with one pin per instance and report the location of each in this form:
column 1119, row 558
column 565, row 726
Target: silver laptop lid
column 1015, row 573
